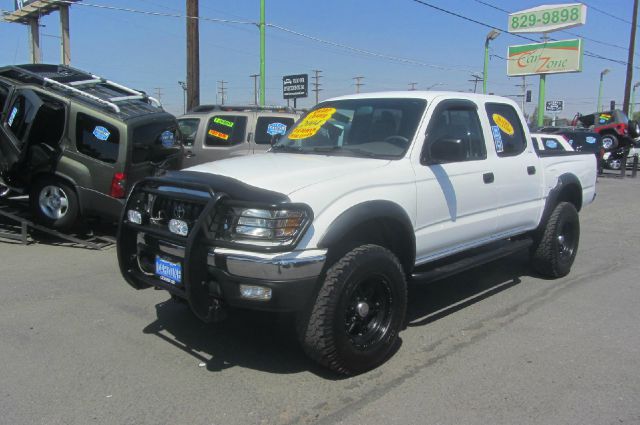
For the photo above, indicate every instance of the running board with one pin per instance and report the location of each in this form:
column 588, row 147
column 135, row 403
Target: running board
column 479, row 257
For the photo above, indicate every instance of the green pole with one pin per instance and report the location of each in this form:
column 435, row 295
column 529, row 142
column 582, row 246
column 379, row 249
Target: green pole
column 262, row 52
column 599, row 95
column 486, row 66
column 541, row 94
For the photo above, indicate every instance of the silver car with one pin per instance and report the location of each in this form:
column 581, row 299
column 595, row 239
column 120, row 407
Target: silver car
column 212, row 132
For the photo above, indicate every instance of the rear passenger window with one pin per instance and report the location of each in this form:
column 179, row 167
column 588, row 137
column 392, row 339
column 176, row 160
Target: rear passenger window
column 97, row 139
column 267, row 127
column 506, row 129
column 225, row 130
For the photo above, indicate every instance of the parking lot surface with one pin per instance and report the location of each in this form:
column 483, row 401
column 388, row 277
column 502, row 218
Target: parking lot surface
column 495, row 345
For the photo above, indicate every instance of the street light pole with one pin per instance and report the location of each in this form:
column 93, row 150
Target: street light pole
column 492, row 35
column 602, row 74
column 633, row 96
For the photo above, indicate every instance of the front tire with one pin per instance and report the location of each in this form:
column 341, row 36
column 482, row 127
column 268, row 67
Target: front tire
column 554, row 252
column 359, row 311
column 55, row 204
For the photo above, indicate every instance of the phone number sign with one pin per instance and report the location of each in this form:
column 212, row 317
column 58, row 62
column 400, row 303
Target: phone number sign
column 548, row 18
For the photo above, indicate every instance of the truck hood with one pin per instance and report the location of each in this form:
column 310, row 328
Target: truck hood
column 286, row 173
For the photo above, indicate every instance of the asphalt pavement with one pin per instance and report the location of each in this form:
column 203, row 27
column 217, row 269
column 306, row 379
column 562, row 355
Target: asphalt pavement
column 495, row 345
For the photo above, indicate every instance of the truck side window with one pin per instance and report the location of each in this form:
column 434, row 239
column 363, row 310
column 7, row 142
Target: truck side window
column 266, row 127
column 225, row 130
column 97, row 139
column 508, row 135
column 459, row 123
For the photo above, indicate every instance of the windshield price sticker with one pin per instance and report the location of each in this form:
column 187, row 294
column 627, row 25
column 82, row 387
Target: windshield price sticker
column 218, row 134
column 101, row 133
column 12, row 117
column 551, row 144
column 223, row 122
column 167, row 139
column 503, row 124
column 312, row 123
column 497, row 138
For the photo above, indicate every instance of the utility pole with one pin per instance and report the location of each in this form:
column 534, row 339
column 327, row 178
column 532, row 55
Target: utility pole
column 193, row 54
column 316, row 83
column 358, row 84
column 476, row 79
column 255, row 88
column 412, row 86
column 524, row 92
column 222, row 91
column 262, row 52
column 158, row 93
column 632, row 47
column 36, row 53
column 66, row 41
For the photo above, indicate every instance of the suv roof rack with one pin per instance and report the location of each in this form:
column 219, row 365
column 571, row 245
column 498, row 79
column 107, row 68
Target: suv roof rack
column 120, row 99
column 211, row 108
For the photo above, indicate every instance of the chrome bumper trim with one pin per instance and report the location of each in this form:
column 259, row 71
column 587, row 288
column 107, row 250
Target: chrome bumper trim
column 281, row 266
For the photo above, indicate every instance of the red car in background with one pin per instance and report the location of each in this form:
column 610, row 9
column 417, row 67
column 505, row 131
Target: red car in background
column 614, row 126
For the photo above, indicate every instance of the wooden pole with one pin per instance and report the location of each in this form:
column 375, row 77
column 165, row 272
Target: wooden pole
column 36, row 53
column 632, row 46
column 193, row 55
column 64, row 25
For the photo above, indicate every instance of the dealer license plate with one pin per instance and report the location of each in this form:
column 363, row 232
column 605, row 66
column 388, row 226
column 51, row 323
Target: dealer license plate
column 168, row 271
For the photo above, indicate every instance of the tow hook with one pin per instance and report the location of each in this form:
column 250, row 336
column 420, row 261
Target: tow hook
column 216, row 312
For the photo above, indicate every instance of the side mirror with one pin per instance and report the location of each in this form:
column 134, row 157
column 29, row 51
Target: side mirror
column 446, row 150
column 275, row 139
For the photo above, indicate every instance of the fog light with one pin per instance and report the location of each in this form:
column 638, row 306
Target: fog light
column 179, row 227
column 255, row 292
column 134, row 216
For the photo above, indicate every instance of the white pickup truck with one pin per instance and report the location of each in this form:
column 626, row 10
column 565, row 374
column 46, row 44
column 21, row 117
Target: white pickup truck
column 364, row 193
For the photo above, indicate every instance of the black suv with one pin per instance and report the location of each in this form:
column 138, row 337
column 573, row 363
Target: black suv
column 75, row 142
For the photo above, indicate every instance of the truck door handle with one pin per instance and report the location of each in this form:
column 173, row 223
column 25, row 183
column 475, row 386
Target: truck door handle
column 531, row 170
column 488, row 178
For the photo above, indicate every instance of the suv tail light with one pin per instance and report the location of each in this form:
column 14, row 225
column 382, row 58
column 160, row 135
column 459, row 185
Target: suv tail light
column 118, row 185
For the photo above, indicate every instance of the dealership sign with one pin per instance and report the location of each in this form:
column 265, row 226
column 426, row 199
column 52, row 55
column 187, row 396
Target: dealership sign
column 295, row 86
column 554, row 106
column 545, row 58
column 548, row 18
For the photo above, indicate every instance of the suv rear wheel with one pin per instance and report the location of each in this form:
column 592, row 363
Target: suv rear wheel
column 359, row 311
column 609, row 142
column 54, row 203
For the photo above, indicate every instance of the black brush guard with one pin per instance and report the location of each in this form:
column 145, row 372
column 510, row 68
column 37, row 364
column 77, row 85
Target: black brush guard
column 196, row 285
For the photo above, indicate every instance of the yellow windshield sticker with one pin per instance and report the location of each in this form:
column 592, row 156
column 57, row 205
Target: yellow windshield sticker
column 218, row 134
column 312, row 123
column 503, row 124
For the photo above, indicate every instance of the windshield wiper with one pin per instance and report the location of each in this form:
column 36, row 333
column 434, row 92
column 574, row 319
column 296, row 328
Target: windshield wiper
column 285, row 148
column 347, row 151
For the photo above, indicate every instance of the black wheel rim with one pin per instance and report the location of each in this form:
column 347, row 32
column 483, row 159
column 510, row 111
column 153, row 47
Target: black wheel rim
column 368, row 312
column 566, row 241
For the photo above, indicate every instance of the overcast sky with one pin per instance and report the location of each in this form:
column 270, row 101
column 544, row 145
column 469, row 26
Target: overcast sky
column 148, row 52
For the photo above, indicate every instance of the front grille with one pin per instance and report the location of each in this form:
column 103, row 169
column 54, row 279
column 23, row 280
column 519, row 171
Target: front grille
column 164, row 209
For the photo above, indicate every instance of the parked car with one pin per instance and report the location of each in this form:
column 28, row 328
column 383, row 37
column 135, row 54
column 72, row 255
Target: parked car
column 614, row 126
column 363, row 193
column 581, row 140
column 550, row 142
column 214, row 132
column 613, row 160
column 75, row 142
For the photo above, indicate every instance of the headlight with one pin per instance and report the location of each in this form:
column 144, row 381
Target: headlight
column 264, row 227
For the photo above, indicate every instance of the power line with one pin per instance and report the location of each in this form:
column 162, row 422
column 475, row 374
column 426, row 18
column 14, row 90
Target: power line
column 475, row 21
column 604, row 12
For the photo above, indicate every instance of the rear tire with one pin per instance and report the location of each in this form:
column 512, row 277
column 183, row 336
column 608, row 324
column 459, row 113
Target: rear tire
column 55, row 204
column 359, row 311
column 555, row 250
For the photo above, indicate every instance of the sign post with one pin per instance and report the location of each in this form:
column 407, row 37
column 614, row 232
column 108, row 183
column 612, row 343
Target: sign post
column 548, row 57
column 295, row 86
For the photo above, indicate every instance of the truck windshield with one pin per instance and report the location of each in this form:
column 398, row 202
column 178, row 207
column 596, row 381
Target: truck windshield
column 368, row 128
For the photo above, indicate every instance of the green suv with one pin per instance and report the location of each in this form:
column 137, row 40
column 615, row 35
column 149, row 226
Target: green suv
column 75, row 142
